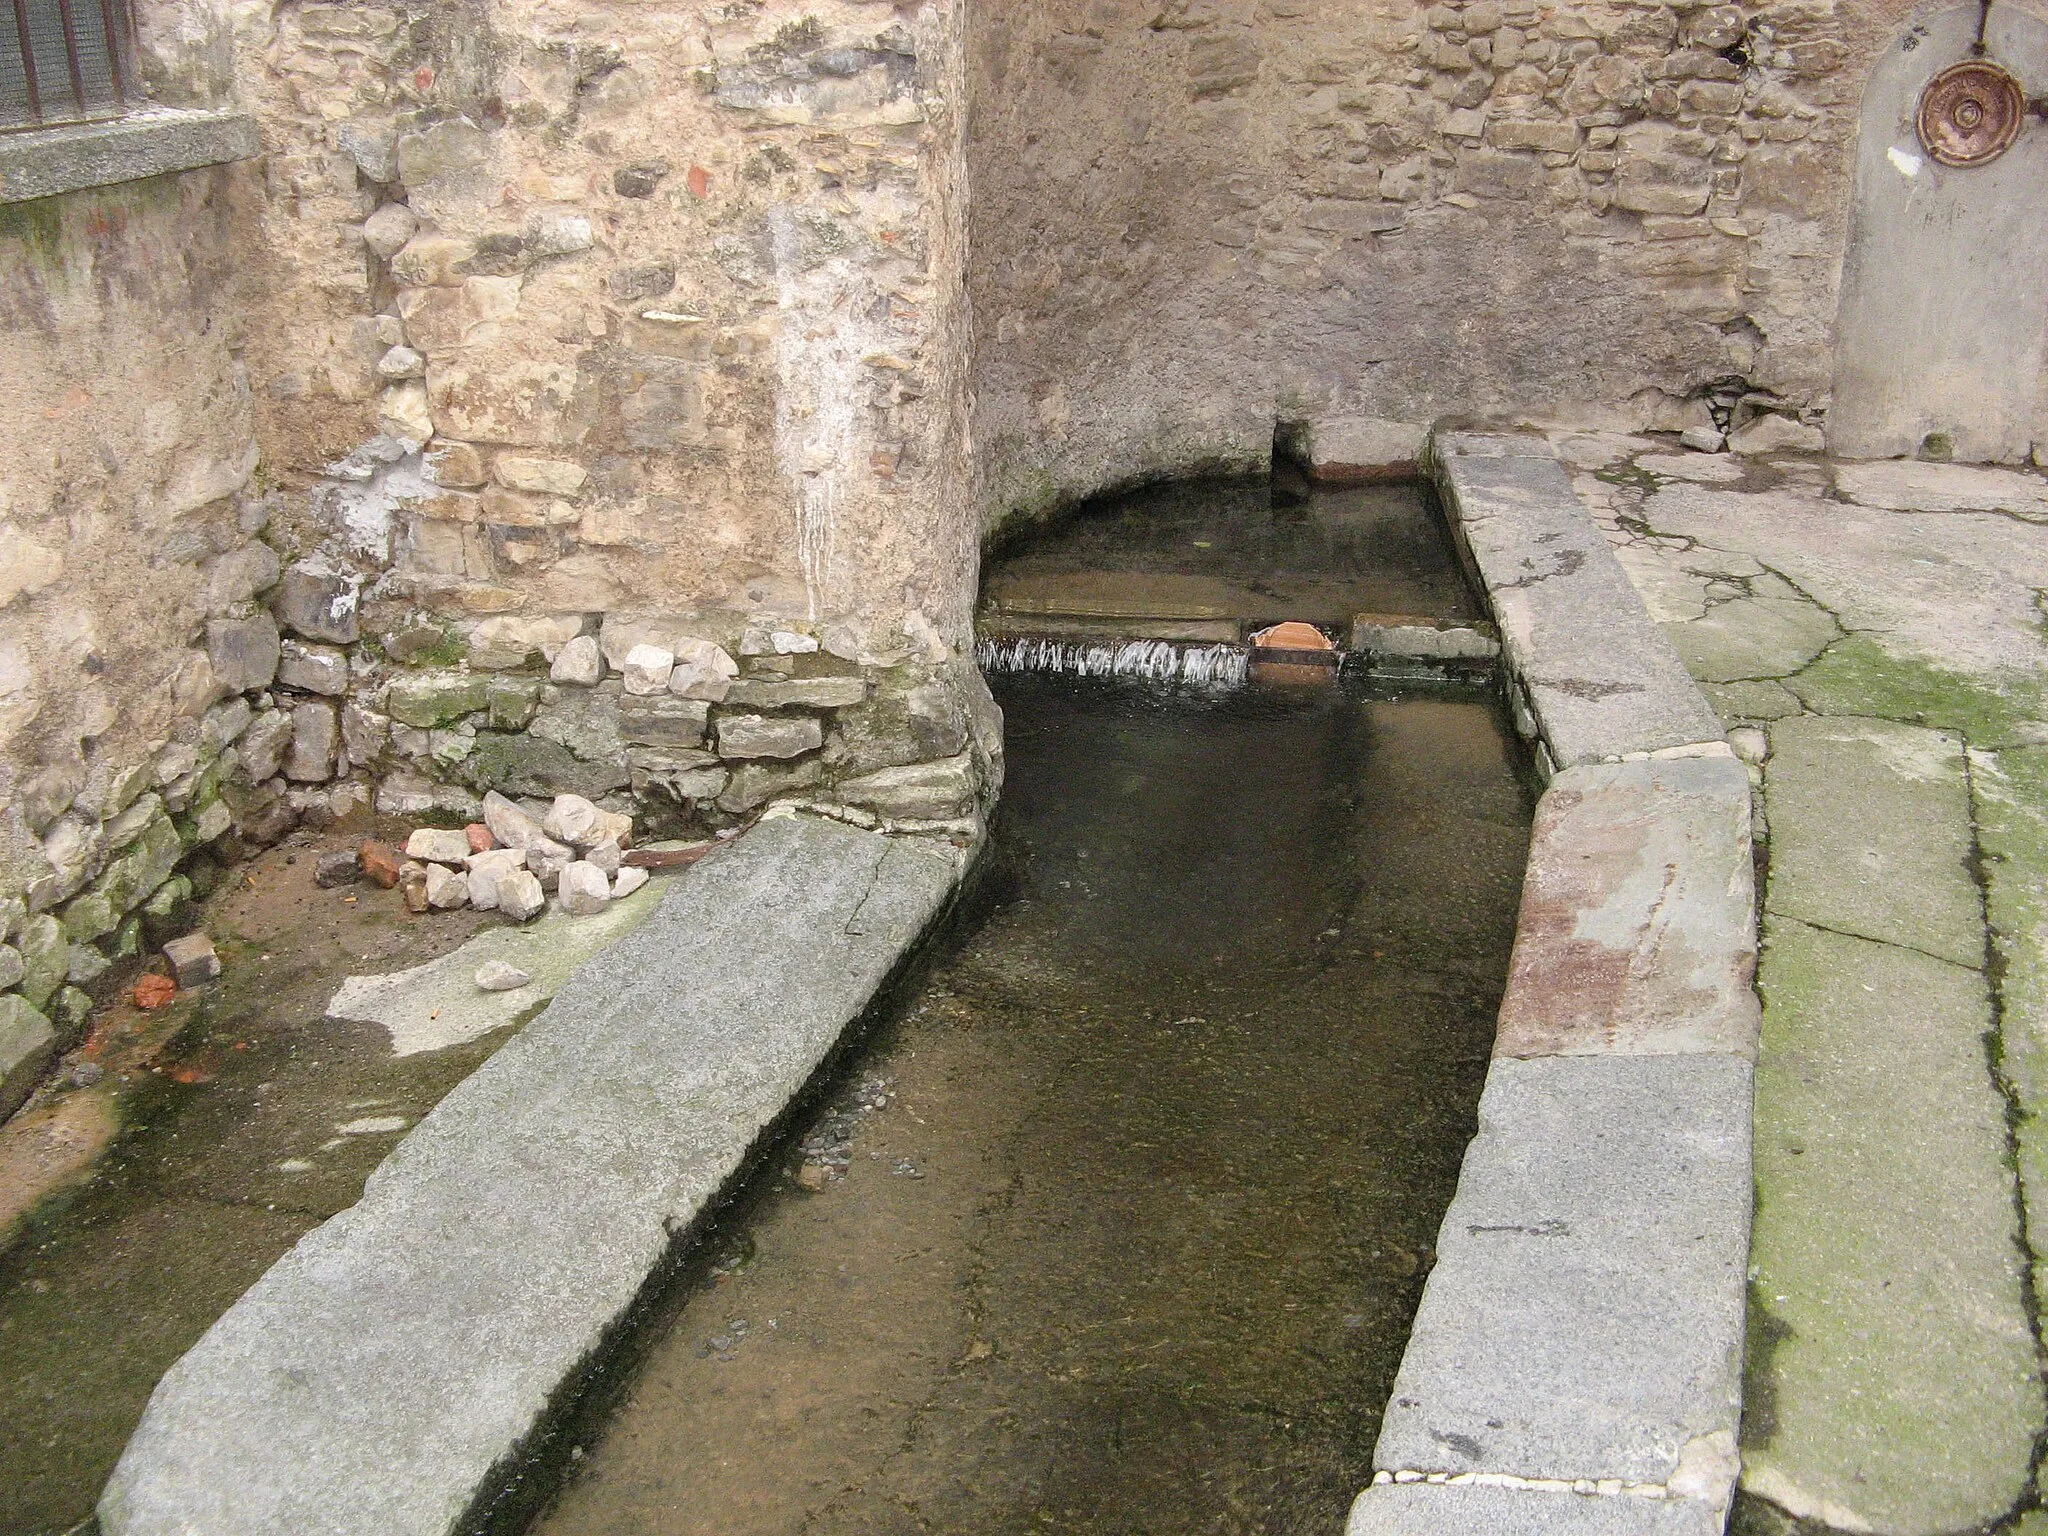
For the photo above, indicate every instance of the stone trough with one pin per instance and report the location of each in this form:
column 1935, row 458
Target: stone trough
column 1575, row 1365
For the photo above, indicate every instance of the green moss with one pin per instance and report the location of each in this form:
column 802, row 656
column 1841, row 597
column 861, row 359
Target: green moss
column 1860, row 677
column 39, row 225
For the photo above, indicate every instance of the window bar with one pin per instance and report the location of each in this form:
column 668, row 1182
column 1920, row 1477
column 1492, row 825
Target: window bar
column 115, row 17
column 28, row 60
column 71, row 54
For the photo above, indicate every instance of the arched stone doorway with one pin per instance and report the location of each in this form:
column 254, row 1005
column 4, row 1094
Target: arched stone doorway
column 1943, row 326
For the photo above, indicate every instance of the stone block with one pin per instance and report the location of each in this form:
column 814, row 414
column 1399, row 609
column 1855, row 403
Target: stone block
column 427, row 699
column 318, row 603
column 192, row 958
column 316, row 740
column 487, row 870
column 753, row 784
column 512, row 702
column 504, row 1242
column 916, row 792
column 1638, row 925
column 647, row 668
column 799, row 692
column 544, row 477
column 1585, row 1316
column 447, row 888
column 662, row 720
column 386, row 231
column 244, row 652
column 1350, row 449
column 27, row 1042
column 585, row 890
column 1772, row 433
column 520, row 895
column 510, row 824
column 44, row 957
column 1529, row 133
column 1603, row 680
column 314, row 668
column 1442, row 1509
column 1422, row 640
column 579, row 662
column 741, row 736
column 438, row 845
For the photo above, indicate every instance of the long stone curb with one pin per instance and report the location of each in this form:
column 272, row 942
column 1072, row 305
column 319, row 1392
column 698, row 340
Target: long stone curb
column 1576, row 1363
column 1593, row 679
column 385, row 1376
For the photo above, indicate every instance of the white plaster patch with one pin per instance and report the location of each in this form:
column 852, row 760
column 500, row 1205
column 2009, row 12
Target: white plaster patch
column 433, row 1006
column 1904, row 160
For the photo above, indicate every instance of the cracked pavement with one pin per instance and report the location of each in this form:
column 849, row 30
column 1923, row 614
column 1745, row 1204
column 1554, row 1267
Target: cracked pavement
column 1873, row 636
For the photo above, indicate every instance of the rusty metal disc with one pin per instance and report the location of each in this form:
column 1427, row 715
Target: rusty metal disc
column 1970, row 113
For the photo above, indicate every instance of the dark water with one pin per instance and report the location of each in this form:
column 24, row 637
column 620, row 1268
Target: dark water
column 1120, row 1228
column 1244, row 547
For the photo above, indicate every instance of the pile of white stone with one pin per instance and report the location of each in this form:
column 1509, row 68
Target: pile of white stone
column 575, row 851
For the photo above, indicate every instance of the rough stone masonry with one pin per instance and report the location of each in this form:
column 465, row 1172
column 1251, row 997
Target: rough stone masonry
column 355, row 471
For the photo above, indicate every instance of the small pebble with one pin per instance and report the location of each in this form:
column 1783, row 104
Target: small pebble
column 497, row 976
column 627, row 881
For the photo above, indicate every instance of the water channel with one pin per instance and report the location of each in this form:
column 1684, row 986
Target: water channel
column 1120, row 1224
column 1116, row 1224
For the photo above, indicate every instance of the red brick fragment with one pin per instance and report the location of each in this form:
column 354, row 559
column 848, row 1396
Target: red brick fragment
column 380, row 862
column 153, row 991
column 480, row 838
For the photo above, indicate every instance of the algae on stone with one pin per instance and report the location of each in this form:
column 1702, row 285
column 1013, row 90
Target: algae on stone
column 1860, row 676
column 1899, row 1390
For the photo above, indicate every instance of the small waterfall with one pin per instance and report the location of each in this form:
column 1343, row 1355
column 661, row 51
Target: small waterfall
column 1159, row 661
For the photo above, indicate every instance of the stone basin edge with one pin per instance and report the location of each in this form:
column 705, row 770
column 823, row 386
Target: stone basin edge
column 397, row 1371
column 1576, row 1361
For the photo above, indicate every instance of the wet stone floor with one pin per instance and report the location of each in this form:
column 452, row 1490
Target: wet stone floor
column 206, row 1139
column 1119, row 1226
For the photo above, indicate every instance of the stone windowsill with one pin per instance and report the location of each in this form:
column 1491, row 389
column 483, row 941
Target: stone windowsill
column 48, row 161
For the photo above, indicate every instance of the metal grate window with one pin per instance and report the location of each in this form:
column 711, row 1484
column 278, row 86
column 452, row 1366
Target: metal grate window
column 63, row 61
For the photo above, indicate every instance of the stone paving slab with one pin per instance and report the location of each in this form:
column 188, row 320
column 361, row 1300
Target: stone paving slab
column 1870, row 834
column 1584, row 1319
column 2011, row 801
column 1637, row 931
column 1603, row 681
column 1464, row 1509
column 390, row 1366
column 1893, row 1385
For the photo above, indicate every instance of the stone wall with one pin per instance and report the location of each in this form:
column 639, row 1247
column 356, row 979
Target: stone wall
column 641, row 323
column 1194, row 219
column 129, row 561
column 569, row 338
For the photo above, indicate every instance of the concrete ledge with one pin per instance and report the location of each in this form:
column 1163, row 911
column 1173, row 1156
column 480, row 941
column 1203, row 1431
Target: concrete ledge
column 1469, row 1509
column 1638, row 925
column 386, row 1373
column 1594, row 679
column 49, row 161
column 1584, row 1319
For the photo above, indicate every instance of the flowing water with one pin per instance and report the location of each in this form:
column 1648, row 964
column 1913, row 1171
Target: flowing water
column 1120, row 1225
